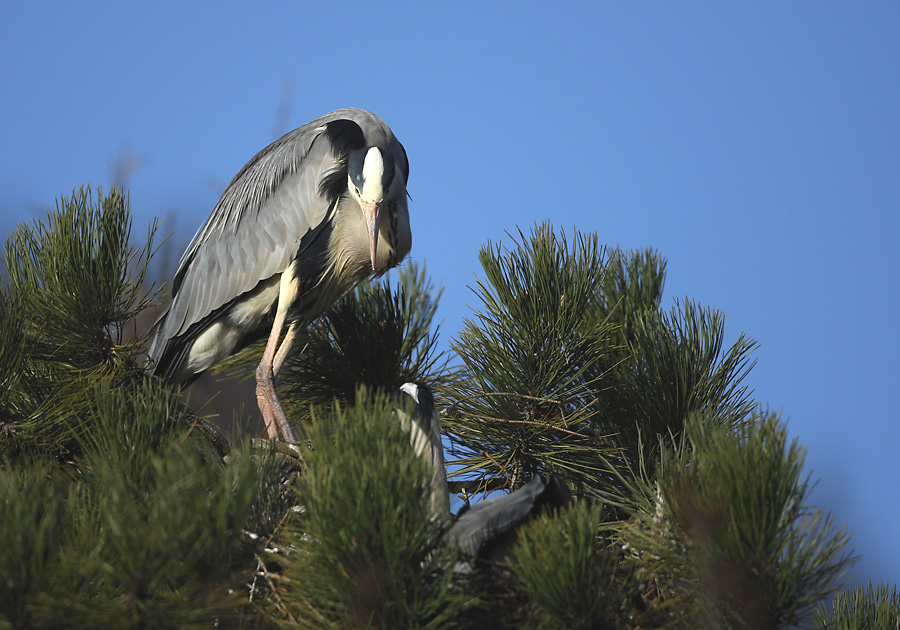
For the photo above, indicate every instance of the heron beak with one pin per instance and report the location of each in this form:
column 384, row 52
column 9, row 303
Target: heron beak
column 373, row 217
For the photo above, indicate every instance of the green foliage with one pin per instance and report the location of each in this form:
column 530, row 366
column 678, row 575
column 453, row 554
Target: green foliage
column 864, row 607
column 574, row 580
column 603, row 394
column 133, row 521
column 631, row 285
column 162, row 551
column 33, row 515
column 379, row 335
column 120, row 508
column 662, row 366
column 680, row 357
column 572, row 361
column 79, row 279
column 368, row 546
column 127, row 424
column 521, row 405
column 145, row 529
column 728, row 517
column 75, row 287
column 16, row 397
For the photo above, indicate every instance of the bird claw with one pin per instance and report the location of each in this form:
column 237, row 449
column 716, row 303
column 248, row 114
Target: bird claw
column 273, row 414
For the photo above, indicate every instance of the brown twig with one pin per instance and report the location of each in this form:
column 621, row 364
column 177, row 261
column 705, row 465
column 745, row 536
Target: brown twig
column 500, row 466
column 272, row 579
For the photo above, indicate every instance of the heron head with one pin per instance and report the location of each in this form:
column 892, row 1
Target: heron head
column 370, row 173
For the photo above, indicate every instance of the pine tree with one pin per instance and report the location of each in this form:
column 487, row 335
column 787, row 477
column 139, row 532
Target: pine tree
column 121, row 508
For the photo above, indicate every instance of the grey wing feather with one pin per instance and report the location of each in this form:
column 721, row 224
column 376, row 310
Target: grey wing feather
column 253, row 232
column 485, row 520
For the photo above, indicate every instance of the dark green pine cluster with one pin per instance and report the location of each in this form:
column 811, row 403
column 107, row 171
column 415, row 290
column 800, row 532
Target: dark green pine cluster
column 121, row 508
column 877, row 608
column 697, row 504
column 115, row 511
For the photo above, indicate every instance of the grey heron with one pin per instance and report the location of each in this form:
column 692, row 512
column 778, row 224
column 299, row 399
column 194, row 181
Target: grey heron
column 304, row 221
column 419, row 417
column 487, row 529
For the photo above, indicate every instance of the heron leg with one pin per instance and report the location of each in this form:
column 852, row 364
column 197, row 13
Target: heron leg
column 284, row 348
column 280, row 357
column 272, row 360
column 265, row 381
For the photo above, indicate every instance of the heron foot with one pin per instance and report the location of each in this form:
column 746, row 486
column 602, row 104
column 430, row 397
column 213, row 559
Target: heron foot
column 272, row 412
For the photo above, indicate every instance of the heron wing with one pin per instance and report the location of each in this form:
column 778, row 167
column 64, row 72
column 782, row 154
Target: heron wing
column 486, row 520
column 254, row 231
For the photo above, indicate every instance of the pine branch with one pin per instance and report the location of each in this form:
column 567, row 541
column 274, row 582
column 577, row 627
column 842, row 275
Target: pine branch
column 521, row 404
column 730, row 522
column 379, row 335
column 368, row 545
column 862, row 607
column 574, row 580
column 79, row 279
column 76, row 285
column 675, row 366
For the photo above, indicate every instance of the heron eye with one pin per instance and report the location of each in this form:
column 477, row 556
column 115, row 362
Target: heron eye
column 357, row 191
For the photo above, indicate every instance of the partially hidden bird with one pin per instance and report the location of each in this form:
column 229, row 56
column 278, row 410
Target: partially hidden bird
column 304, row 221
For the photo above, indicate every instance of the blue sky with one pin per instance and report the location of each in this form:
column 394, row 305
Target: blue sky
column 757, row 146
